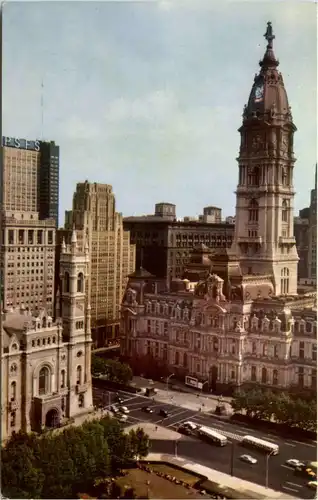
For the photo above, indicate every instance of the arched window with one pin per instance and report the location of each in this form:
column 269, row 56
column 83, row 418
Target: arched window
column 185, row 360
column 253, row 176
column 62, row 379
column 264, row 375
column 177, row 358
column 44, row 380
column 284, row 281
column 285, row 211
column 66, row 282
column 79, row 375
column 253, row 374
column 80, row 283
column 275, row 377
column 253, row 211
column 13, row 392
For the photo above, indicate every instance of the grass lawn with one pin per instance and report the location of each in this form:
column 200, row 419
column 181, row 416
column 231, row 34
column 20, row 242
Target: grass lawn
column 158, row 487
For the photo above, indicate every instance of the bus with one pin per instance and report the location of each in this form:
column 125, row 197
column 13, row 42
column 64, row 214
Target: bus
column 211, row 435
column 261, row 444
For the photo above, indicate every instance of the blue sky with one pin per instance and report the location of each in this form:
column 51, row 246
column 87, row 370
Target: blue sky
column 148, row 96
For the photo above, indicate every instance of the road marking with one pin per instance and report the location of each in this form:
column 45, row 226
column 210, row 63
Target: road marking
column 290, row 444
column 290, row 489
column 303, row 444
column 293, row 484
column 175, row 415
column 286, row 467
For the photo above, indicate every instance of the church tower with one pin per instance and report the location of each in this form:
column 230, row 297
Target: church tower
column 75, row 314
column 264, row 239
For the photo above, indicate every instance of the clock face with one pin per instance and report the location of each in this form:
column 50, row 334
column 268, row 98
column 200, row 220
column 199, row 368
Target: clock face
column 259, row 92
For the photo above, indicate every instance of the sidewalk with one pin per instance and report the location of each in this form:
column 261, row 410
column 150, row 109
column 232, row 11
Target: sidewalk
column 156, row 431
column 223, row 480
column 189, row 401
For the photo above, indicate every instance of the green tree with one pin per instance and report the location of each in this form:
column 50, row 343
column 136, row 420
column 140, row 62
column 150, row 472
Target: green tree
column 99, row 365
column 21, row 475
column 139, row 443
column 57, row 466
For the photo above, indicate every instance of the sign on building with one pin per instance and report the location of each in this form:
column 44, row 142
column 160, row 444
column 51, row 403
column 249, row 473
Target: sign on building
column 193, row 382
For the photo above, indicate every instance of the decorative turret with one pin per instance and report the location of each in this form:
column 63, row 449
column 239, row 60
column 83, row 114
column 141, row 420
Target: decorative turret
column 268, row 98
column 264, row 242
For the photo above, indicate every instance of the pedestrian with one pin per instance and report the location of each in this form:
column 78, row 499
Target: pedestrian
column 156, row 428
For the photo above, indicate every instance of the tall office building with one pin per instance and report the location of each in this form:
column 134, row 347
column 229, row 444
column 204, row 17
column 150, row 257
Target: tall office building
column 30, row 177
column 305, row 227
column 29, row 215
column 112, row 257
column 312, row 250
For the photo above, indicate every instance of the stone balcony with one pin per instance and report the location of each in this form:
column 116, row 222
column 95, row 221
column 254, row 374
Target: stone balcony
column 250, row 239
column 284, row 240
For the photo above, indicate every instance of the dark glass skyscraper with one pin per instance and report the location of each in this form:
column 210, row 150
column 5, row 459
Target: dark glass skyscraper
column 48, row 186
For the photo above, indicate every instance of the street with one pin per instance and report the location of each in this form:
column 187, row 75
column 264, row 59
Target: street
column 280, row 476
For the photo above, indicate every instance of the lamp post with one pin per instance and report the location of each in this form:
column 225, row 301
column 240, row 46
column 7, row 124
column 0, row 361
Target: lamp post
column 168, row 378
column 232, row 458
column 267, row 466
column 206, row 382
column 176, row 448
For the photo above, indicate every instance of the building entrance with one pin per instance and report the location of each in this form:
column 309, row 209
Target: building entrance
column 52, row 418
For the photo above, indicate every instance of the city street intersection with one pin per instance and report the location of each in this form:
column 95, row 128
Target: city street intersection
column 281, row 477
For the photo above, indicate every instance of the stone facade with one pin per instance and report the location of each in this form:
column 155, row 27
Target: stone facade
column 200, row 332
column 45, row 364
column 238, row 317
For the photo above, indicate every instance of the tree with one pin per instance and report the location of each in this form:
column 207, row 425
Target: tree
column 21, row 475
column 99, row 365
column 113, row 369
column 139, row 443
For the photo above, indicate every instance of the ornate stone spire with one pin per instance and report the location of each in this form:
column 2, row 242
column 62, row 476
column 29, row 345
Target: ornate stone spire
column 269, row 59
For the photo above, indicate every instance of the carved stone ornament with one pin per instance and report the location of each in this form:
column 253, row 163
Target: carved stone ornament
column 257, row 143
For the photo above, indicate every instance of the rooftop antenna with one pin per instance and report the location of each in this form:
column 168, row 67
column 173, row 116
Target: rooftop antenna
column 42, row 109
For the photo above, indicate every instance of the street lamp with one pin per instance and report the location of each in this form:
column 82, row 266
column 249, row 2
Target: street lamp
column 168, row 378
column 232, row 458
column 206, row 382
column 267, row 465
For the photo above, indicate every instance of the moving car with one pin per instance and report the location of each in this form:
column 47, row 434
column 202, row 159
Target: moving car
column 114, row 409
column 147, row 409
column 248, row 459
column 123, row 409
column 119, row 400
column 190, row 425
column 122, row 418
column 163, row 413
column 294, row 462
column 187, row 428
column 312, row 485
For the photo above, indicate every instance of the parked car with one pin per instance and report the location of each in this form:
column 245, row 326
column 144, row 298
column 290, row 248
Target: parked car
column 147, row 409
column 114, row 409
column 294, row 462
column 163, row 413
column 123, row 409
column 119, row 400
column 248, row 459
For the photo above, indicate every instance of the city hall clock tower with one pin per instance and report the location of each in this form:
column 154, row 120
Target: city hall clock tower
column 264, row 240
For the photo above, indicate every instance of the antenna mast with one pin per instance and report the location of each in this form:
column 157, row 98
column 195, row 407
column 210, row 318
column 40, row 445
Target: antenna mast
column 42, row 109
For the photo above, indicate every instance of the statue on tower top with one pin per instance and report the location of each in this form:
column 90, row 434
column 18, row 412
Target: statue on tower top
column 269, row 34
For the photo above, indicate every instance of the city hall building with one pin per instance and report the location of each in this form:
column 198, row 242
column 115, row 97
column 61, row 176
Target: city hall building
column 238, row 317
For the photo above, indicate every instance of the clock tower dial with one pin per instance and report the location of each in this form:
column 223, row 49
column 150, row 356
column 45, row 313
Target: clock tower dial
column 259, row 92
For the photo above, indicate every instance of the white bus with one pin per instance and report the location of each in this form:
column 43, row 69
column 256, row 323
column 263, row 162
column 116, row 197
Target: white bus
column 261, row 444
column 213, row 436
